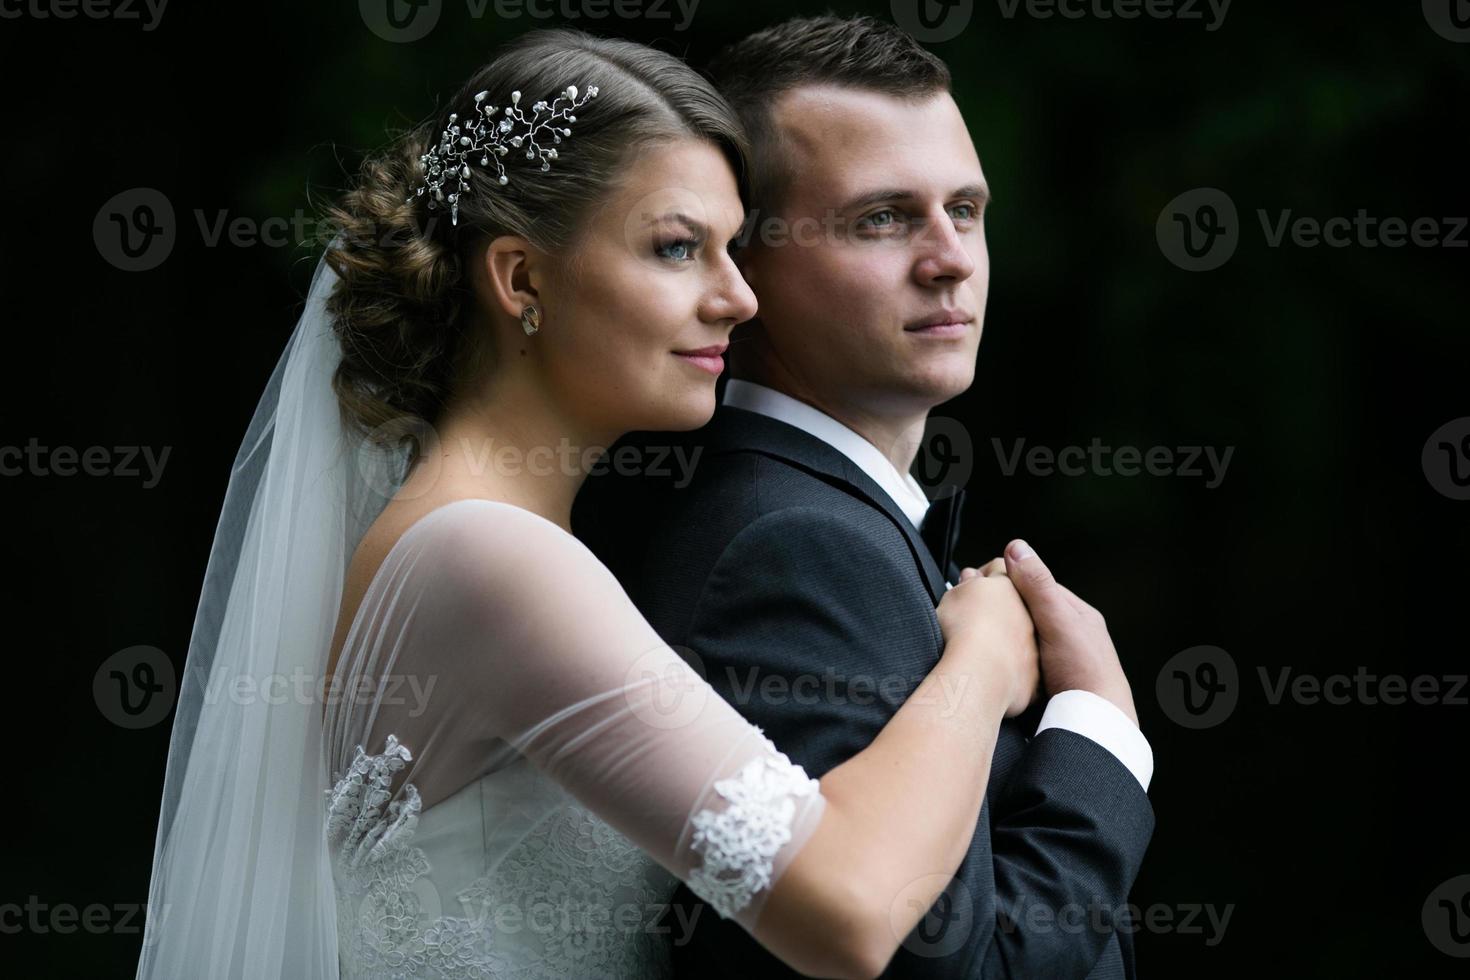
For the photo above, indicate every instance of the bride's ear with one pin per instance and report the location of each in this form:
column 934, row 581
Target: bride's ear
column 512, row 268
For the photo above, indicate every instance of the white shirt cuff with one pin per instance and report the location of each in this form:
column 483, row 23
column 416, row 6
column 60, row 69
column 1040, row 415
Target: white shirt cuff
column 1102, row 721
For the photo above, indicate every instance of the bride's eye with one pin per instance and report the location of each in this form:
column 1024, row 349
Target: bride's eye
column 679, row 250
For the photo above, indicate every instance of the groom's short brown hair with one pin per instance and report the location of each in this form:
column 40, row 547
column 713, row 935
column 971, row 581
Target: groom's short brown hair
column 856, row 52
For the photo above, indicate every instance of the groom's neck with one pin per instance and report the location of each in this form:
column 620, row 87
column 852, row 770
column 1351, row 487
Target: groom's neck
column 894, row 425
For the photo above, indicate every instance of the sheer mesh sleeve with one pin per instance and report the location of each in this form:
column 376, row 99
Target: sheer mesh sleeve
column 490, row 634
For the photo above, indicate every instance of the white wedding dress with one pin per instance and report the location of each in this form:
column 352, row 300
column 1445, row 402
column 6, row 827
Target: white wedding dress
column 504, row 775
column 526, row 700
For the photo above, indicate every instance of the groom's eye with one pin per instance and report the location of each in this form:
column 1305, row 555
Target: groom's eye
column 878, row 220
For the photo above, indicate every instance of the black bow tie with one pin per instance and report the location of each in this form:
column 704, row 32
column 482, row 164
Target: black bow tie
column 941, row 528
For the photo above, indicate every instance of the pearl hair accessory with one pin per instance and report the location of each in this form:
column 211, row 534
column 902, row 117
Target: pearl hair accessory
column 492, row 137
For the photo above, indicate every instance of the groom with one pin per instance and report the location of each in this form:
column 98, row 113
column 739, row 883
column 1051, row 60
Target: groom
column 867, row 253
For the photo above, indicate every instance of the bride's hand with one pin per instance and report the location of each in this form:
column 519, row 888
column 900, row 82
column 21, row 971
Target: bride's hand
column 983, row 618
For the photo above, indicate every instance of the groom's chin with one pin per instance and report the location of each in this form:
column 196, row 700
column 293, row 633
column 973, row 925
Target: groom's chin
column 944, row 379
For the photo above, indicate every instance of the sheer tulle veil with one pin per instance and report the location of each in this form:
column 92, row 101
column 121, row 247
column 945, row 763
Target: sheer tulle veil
column 241, row 883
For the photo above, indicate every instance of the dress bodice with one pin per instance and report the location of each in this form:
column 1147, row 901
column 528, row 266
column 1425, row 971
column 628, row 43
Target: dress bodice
column 509, row 877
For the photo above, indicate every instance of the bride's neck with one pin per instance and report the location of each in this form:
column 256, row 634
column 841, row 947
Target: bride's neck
column 515, row 445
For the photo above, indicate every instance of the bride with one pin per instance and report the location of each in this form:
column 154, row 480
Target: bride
column 423, row 732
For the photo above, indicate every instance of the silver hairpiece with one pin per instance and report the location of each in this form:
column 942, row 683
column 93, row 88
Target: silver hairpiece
column 492, row 136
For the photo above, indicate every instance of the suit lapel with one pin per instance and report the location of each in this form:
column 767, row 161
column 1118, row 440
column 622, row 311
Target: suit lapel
column 736, row 430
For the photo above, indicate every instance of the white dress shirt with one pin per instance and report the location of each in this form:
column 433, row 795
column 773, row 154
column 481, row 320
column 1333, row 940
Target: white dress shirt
column 1082, row 712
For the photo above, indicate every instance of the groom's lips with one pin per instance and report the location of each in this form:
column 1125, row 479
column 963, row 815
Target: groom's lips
column 945, row 323
column 709, row 358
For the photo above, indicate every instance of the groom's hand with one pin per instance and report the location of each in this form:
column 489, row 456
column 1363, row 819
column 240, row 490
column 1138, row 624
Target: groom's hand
column 1072, row 639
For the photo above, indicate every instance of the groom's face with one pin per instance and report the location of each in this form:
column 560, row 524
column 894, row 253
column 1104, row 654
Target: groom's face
column 880, row 230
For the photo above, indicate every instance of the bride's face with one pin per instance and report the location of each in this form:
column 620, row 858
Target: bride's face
column 650, row 280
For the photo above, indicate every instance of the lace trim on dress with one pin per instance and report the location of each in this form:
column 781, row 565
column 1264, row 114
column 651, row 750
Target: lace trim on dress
column 572, row 866
column 740, row 843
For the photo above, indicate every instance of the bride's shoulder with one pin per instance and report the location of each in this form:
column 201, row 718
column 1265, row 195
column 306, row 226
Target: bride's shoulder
column 495, row 544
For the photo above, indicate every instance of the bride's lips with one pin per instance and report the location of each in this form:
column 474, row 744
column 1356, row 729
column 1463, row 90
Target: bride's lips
column 945, row 323
column 709, row 358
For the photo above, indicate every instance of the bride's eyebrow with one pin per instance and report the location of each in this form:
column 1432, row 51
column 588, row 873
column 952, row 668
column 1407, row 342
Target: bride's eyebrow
column 698, row 228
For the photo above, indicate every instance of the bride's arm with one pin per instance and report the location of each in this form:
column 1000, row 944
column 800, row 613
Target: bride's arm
column 565, row 668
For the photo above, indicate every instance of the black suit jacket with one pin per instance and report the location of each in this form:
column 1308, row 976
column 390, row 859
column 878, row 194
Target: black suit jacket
column 807, row 598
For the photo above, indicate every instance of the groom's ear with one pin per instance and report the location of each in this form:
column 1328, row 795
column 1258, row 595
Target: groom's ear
column 509, row 268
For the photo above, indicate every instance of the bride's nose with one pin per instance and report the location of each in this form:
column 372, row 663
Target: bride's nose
column 730, row 298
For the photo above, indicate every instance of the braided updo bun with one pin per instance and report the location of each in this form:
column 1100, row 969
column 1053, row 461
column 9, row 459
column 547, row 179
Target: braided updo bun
column 399, row 309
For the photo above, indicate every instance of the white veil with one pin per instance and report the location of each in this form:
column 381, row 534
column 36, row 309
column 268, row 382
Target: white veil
column 241, row 884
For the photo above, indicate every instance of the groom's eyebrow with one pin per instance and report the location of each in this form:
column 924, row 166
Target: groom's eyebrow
column 979, row 192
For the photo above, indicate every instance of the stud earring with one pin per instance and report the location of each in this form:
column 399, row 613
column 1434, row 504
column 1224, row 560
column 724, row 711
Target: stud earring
column 530, row 320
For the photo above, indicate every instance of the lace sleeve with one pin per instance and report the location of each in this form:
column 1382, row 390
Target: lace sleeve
column 739, row 842
column 527, row 642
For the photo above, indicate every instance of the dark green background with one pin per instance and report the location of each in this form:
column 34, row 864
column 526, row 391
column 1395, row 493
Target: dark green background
column 1325, row 547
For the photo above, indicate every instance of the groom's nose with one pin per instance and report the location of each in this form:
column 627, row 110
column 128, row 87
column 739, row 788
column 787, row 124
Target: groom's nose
column 942, row 257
